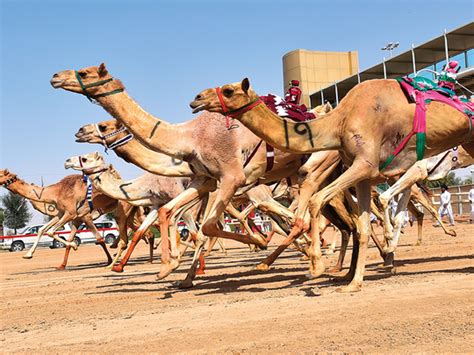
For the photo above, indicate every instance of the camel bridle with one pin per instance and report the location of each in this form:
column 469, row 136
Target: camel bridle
column 117, row 143
column 93, row 98
column 239, row 111
column 9, row 181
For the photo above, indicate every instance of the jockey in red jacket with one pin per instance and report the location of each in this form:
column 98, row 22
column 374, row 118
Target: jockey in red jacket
column 293, row 95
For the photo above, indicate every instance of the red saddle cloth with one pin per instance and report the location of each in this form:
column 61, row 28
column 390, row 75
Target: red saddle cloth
column 286, row 109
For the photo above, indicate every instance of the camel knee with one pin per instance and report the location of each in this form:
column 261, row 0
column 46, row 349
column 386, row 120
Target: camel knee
column 163, row 214
column 210, row 228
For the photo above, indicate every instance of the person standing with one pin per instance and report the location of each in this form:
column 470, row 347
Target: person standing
column 471, row 200
column 445, row 205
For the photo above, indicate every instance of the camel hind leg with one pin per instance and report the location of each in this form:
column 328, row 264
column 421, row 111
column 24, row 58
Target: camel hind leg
column 75, row 225
column 41, row 231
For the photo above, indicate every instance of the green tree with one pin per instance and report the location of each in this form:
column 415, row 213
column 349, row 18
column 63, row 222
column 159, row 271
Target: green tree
column 17, row 214
column 467, row 181
column 449, row 180
column 2, row 219
column 110, row 216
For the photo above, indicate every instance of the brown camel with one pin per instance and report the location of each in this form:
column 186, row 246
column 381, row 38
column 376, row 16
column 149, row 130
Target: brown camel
column 69, row 197
column 215, row 152
column 366, row 128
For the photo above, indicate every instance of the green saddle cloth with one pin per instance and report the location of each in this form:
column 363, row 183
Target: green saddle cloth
column 424, row 84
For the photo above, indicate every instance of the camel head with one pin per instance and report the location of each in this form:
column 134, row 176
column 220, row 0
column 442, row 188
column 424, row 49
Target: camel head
column 234, row 96
column 105, row 133
column 91, row 81
column 87, row 163
column 6, row 177
column 321, row 110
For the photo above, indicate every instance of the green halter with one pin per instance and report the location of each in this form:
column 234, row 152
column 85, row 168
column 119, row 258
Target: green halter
column 94, row 84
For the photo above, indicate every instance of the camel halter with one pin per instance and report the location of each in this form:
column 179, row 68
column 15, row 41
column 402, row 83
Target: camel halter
column 117, row 143
column 93, row 98
column 9, row 181
column 239, row 111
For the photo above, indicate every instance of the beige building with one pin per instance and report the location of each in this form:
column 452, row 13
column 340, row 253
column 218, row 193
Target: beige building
column 316, row 70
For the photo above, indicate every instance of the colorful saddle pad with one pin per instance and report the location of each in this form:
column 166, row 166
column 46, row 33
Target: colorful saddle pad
column 422, row 91
column 286, row 109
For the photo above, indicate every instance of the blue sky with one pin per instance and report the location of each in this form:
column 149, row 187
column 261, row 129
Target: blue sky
column 167, row 51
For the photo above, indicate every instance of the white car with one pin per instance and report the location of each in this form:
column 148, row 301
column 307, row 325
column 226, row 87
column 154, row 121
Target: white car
column 26, row 238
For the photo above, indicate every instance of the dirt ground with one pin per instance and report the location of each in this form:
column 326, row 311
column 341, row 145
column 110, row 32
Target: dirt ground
column 425, row 305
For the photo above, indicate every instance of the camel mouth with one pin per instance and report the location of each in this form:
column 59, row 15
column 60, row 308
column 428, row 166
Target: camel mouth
column 81, row 137
column 198, row 108
column 56, row 83
column 68, row 165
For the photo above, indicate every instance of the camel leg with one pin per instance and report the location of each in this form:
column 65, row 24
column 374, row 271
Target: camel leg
column 418, row 196
column 210, row 246
column 99, row 239
column 122, row 245
column 228, row 187
column 359, row 171
column 41, row 231
column 75, row 224
column 51, row 232
column 419, row 220
column 197, row 189
column 363, row 198
column 151, row 243
column 345, row 235
column 149, row 220
column 399, row 220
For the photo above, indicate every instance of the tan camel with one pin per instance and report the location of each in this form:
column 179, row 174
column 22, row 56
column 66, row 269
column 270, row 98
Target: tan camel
column 434, row 168
column 148, row 190
column 366, row 128
column 215, row 152
column 69, row 197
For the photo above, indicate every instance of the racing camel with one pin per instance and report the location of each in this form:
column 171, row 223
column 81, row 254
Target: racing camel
column 366, row 128
column 69, row 198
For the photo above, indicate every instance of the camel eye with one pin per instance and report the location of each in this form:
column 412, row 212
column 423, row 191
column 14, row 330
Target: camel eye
column 228, row 92
column 102, row 128
column 83, row 160
column 82, row 74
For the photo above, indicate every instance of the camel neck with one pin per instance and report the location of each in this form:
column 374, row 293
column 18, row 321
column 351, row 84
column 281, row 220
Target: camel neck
column 151, row 161
column 151, row 131
column 112, row 185
column 32, row 192
column 291, row 136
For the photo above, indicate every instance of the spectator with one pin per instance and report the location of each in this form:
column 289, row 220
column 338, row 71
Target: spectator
column 445, row 205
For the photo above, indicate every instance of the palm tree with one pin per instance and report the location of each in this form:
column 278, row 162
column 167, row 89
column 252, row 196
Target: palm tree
column 16, row 213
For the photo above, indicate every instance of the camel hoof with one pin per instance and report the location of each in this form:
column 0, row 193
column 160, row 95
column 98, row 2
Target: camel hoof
column 206, row 254
column 61, row 267
column 334, row 270
column 117, row 268
column 262, row 267
column 27, row 256
column 349, row 289
column 418, row 243
column 388, row 260
column 74, row 245
column 345, row 278
column 184, row 284
column 304, row 258
column 451, row 232
column 200, row 272
column 167, row 268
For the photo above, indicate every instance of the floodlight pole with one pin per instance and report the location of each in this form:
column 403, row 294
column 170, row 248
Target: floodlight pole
column 413, row 58
column 384, row 69
column 446, row 46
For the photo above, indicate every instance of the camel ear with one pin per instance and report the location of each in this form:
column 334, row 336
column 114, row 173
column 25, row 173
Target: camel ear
column 96, row 155
column 245, row 85
column 102, row 70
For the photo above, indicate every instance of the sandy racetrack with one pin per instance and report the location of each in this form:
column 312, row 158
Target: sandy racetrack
column 428, row 305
